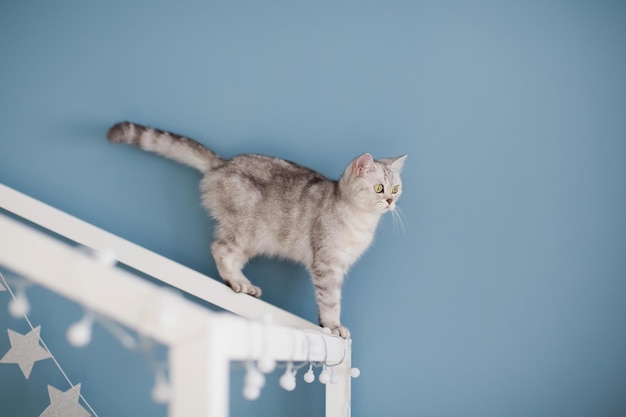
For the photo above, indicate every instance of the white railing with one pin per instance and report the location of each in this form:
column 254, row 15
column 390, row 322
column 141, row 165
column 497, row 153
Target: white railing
column 201, row 343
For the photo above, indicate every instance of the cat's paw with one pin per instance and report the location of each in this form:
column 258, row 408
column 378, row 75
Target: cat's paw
column 341, row 331
column 246, row 288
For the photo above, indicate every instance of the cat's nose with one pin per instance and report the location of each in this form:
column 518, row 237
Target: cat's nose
column 389, row 201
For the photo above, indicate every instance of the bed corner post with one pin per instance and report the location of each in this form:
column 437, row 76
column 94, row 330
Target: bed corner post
column 338, row 395
column 199, row 371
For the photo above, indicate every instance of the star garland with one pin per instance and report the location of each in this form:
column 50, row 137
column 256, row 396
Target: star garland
column 28, row 349
column 25, row 350
column 64, row 403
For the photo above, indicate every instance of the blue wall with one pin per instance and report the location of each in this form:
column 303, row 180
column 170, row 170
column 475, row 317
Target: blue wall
column 504, row 294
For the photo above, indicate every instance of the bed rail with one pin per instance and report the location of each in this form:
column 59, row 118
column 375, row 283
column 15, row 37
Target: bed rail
column 144, row 260
column 202, row 343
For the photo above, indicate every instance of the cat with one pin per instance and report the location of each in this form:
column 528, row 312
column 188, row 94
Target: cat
column 268, row 206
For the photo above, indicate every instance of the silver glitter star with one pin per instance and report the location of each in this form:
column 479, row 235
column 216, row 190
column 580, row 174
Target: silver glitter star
column 25, row 350
column 64, row 403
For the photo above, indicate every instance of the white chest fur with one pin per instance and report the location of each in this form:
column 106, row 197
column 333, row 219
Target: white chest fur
column 355, row 236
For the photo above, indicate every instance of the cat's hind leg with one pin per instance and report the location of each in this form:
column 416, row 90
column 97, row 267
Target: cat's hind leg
column 230, row 260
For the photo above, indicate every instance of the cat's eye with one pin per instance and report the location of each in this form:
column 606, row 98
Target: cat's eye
column 379, row 188
column 395, row 189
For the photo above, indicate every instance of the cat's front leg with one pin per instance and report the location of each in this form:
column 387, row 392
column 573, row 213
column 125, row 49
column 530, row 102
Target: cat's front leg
column 327, row 284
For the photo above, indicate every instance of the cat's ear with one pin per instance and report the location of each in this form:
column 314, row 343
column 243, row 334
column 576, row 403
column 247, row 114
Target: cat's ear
column 398, row 163
column 363, row 165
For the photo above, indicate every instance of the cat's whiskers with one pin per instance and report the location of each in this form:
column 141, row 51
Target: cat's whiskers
column 398, row 220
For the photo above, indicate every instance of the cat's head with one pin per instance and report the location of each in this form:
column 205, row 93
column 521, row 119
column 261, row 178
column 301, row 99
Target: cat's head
column 374, row 184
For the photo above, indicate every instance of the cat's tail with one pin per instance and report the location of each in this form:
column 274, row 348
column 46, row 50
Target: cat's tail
column 170, row 145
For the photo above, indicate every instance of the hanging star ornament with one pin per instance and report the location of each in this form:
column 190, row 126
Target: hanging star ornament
column 25, row 350
column 64, row 403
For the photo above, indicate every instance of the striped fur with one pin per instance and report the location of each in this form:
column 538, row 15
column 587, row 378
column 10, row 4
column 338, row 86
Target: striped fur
column 268, row 206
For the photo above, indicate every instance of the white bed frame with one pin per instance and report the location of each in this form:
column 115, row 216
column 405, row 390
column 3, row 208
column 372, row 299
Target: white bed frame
column 201, row 343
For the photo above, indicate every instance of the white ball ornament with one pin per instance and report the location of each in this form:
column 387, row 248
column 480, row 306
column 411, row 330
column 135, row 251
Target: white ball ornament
column 19, row 306
column 266, row 364
column 253, row 382
column 254, row 377
column 251, row 392
column 161, row 391
column 309, row 376
column 324, row 376
column 288, row 381
column 355, row 372
column 79, row 334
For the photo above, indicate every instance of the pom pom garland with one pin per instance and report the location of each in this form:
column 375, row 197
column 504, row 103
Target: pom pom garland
column 254, row 379
column 79, row 335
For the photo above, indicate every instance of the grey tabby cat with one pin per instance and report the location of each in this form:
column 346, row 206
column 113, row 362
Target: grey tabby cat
column 267, row 206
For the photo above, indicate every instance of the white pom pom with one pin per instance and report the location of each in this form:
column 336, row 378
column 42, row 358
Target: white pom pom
column 19, row 306
column 251, row 393
column 79, row 334
column 253, row 382
column 355, row 372
column 266, row 364
column 309, row 376
column 254, row 378
column 161, row 391
column 288, row 381
column 324, row 376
